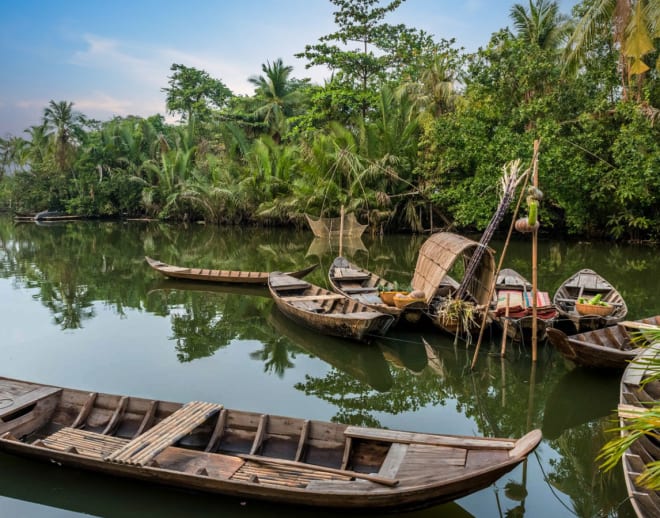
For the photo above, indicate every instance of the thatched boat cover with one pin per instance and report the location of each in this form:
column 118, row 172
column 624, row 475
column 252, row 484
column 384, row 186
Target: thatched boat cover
column 325, row 227
column 436, row 258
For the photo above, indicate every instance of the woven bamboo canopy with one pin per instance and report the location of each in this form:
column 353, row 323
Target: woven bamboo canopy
column 437, row 256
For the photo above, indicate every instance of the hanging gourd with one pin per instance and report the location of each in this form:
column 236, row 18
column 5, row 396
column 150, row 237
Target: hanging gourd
column 531, row 222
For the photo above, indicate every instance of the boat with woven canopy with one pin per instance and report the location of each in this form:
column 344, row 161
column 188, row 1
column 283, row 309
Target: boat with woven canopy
column 438, row 256
column 249, row 455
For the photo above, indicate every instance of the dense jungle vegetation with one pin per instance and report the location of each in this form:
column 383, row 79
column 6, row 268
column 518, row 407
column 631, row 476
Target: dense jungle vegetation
column 408, row 129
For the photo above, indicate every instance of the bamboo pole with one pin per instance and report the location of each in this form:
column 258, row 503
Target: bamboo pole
column 506, row 325
column 341, row 231
column 535, row 324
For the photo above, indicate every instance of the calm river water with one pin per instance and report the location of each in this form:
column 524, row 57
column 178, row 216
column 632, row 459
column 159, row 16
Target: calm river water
column 79, row 307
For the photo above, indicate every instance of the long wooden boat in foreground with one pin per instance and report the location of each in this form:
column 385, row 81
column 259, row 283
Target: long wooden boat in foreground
column 607, row 348
column 639, row 394
column 328, row 313
column 366, row 287
column 513, row 307
column 211, row 275
column 206, row 447
column 587, row 284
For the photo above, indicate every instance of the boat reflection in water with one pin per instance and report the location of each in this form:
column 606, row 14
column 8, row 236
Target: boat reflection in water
column 364, row 362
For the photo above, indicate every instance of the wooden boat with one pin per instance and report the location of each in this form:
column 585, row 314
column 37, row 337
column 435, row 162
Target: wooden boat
column 366, row 287
column 638, row 394
column 206, row 447
column 587, row 284
column 438, row 256
column 514, row 291
column 329, row 313
column 606, row 348
column 209, row 275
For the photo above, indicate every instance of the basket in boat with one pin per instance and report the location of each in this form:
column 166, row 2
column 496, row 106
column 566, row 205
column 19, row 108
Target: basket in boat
column 403, row 300
column 388, row 296
column 593, row 309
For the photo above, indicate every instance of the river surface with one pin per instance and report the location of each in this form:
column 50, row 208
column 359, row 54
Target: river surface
column 79, row 307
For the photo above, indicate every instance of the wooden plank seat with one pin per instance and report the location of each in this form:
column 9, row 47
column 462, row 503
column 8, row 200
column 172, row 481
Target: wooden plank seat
column 13, row 402
column 308, row 305
column 144, row 448
column 87, row 443
column 384, row 435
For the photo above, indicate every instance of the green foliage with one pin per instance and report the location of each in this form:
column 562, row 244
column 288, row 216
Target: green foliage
column 194, row 92
column 405, row 127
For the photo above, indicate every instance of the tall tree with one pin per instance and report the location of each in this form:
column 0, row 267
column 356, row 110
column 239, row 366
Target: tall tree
column 356, row 70
column 540, row 24
column 194, row 93
column 63, row 125
column 631, row 24
column 277, row 96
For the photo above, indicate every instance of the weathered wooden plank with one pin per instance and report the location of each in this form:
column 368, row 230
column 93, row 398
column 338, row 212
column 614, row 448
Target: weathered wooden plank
column 21, row 400
column 440, row 440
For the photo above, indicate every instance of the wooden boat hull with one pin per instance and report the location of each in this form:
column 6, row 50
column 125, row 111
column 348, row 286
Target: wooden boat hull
column 586, row 283
column 328, row 313
column 636, row 395
column 606, row 348
column 514, row 291
column 364, row 286
column 223, row 276
column 205, row 447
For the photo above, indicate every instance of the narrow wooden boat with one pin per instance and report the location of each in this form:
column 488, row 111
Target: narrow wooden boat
column 514, row 291
column 587, row 284
column 606, row 348
column 366, row 287
column 206, row 447
column 638, row 394
column 210, row 275
column 329, row 313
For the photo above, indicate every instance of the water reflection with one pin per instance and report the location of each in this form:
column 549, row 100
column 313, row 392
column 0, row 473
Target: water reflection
column 90, row 280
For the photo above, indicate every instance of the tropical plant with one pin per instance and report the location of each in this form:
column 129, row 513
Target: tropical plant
column 277, row 96
column 632, row 25
column 540, row 24
column 65, row 127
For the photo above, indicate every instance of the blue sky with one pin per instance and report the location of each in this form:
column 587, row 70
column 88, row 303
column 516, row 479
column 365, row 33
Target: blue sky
column 113, row 57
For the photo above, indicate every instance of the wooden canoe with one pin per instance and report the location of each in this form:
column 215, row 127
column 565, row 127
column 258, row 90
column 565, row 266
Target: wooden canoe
column 587, row 283
column 638, row 394
column 364, row 286
column 328, row 313
column 206, row 447
column 514, row 290
column 210, row 275
column 606, row 348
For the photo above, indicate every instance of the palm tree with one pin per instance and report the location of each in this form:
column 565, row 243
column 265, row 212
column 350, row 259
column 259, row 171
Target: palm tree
column 63, row 124
column 631, row 24
column 541, row 24
column 277, row 95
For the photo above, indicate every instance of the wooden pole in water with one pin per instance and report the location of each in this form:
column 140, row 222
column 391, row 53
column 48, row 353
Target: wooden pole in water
column 341, row 231
column 506, row 325
column 535, row 179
